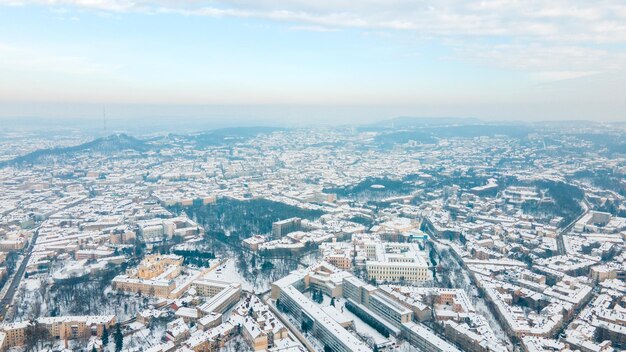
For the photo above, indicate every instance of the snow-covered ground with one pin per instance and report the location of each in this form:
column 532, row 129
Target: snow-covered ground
column 29, row 300
column 310, row 258
column 38, row 298
column 252, row 278
column 229, row 272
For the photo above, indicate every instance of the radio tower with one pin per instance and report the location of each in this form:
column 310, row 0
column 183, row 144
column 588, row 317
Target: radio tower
column 104, row 118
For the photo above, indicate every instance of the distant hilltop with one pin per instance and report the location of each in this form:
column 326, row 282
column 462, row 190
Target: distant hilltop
column 407, row 121
column 105, row 145
column 120, row 141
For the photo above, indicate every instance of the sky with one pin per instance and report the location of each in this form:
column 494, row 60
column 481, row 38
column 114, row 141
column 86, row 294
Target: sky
column 308, row 61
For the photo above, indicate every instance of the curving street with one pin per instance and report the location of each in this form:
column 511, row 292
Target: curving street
column 17, row 277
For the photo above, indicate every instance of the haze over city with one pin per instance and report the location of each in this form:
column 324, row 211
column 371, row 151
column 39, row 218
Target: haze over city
column 317, row 61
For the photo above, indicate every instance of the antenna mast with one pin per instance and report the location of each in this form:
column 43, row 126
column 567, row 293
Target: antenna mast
column 104, row 117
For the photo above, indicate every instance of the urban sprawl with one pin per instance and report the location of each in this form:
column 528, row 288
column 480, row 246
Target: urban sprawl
column 456, row 237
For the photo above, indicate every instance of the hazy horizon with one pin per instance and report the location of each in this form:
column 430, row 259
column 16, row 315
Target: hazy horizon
column 314, row 62
column 294, row 115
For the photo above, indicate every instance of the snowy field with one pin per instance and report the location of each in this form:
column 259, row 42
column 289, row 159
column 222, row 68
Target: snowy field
column 230, row 273
column 249, row 270
column 39, row 298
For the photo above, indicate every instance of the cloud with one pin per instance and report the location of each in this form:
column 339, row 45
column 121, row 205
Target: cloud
column 311, row 28
column 575, row 36
column 573, row 20
column 550, row 76
column 106, row 5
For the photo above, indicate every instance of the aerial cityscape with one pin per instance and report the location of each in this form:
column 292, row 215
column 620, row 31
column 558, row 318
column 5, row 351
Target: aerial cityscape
column 312, row 176
column 408, row 235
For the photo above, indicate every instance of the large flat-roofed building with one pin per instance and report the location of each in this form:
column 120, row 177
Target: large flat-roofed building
column 389, row 309
column 355, row 289
column 209, row 287
column 283, row 227
column 223, row 300
column 287, row 291
column 361, row 298
column 76, row 327
column 158, row 288
column 426, row 340
column 375, row 301
column 297, row 279
column 325, row 328
column 392, row 261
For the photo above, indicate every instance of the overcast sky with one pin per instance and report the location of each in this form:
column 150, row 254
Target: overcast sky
column 313, row 59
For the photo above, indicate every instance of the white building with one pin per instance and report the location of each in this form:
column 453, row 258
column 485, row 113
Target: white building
column 391, row 261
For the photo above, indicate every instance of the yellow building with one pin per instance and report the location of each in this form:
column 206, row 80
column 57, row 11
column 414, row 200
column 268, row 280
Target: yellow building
column 15, row 244
column 156, row 288
column 154, row 265
column 15, row 333
column 209, row 288
column 76, row 327
column 154, row 276
column 339, row 260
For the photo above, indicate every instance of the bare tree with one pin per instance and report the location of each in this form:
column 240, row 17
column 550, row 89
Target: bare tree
column 35, row 337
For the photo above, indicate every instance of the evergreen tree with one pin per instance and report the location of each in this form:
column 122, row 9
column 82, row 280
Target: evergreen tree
column 119, row 338
column 93, row 349
column 105, row 336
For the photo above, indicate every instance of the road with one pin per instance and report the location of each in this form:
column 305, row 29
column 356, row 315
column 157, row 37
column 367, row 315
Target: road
column 6, row 301
column 559, row 239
